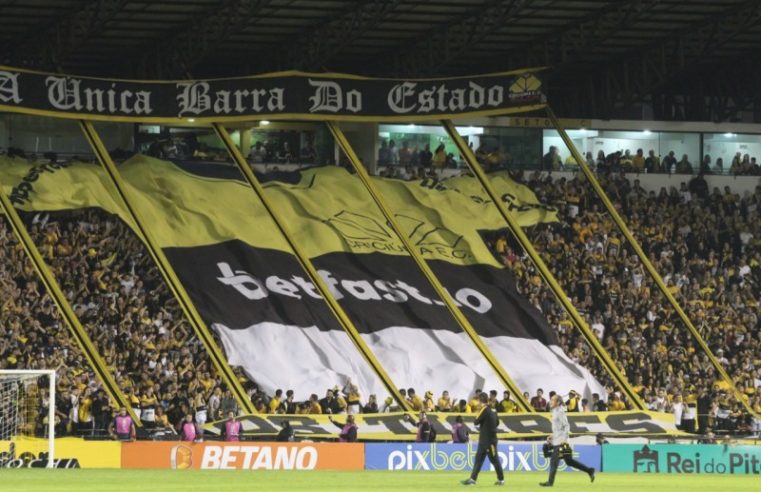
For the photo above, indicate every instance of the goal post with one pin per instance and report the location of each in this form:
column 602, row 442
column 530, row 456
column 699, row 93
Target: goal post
column 22, row 420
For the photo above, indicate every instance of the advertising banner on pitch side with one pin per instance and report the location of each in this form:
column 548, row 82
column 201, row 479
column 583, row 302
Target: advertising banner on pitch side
column 243, row 456
column 683, row 458
column 518, row 456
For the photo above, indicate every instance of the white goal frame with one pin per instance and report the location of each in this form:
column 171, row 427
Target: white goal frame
column 51, row 404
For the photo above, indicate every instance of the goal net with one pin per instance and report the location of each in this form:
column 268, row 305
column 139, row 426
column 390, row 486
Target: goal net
column 27, row 418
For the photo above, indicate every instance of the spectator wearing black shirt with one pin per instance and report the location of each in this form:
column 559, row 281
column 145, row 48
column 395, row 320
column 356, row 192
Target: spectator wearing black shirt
column 286, row 434
column 426, row 156
column 669, row 162
column 371, row 406
column 330, row 404
column 598, row 405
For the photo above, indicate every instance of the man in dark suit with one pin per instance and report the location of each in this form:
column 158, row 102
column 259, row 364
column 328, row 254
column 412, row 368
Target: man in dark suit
column 487, row 442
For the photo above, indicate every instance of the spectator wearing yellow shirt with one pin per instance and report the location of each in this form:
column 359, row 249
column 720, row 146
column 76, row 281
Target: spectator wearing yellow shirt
column 507, row 405
column 573, row 402
column 463, row 407
column 340, row 401
column 314, row 407
column 475, row 402
column 571, row 163
column 445, row 402
column 161, row 420
column 428, row 405
column 276, row 401
column 415, row 402
column 85, row 412
column 501, row 245
column 615, row 404
column 638, row 161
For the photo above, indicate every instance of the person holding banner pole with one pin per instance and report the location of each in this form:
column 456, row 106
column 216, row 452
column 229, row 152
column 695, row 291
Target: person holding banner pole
column 487, row 442
column 557, row 444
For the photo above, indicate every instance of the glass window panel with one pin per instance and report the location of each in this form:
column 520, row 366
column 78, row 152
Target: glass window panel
column 686, row 149
column 732, row 153
column 504, row 147
column 626, row 150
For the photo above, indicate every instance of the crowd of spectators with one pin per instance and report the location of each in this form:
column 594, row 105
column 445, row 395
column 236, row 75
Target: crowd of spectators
column 31, row 334
column 405, row 162
column 707, row 247
column 652, row 163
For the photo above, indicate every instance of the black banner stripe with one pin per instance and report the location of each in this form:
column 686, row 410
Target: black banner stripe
column 376, row 289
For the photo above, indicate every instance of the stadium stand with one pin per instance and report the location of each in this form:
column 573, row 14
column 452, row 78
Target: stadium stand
column 33, row 337
column 706, row 244
column 117, row 293
column 708, row 248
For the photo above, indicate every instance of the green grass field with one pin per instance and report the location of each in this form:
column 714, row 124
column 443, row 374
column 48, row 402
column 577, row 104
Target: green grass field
column 149, row 481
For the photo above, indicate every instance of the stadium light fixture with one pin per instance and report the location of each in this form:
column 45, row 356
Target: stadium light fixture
column 646, row 132
column 264, row 123
column 191, row 120
column 729, row 135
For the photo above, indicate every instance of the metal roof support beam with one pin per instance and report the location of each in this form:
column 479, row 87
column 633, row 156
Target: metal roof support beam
column 177, row 56
column 569, row 44
column 47, row 47
column 724, row 92
column 320, row 45
column 440, row 45
column 635, row 77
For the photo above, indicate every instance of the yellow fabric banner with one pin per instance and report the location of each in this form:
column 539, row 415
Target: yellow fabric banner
column 328, row 209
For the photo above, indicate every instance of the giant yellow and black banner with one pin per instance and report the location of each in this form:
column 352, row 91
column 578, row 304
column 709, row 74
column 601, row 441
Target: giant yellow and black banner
column 275, row 95
column 270, row 319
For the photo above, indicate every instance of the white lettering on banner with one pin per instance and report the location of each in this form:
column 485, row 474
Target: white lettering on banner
column 9, row 91
column 66, row 93
column 63, row 93
column 195, row 98
column 384, row 426
column 398, row 95
column 255, row 289
column 211, row 457
column 475, row 95
column 495, row 96
column 481, row 304
column 438, row 459
column 252, row 288
column 397, row 460
column 404, row 98
column 258, row 458
column 228, row 458
column 329, row 96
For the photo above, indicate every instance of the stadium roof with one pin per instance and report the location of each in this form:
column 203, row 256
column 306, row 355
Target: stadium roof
column 687, row 59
